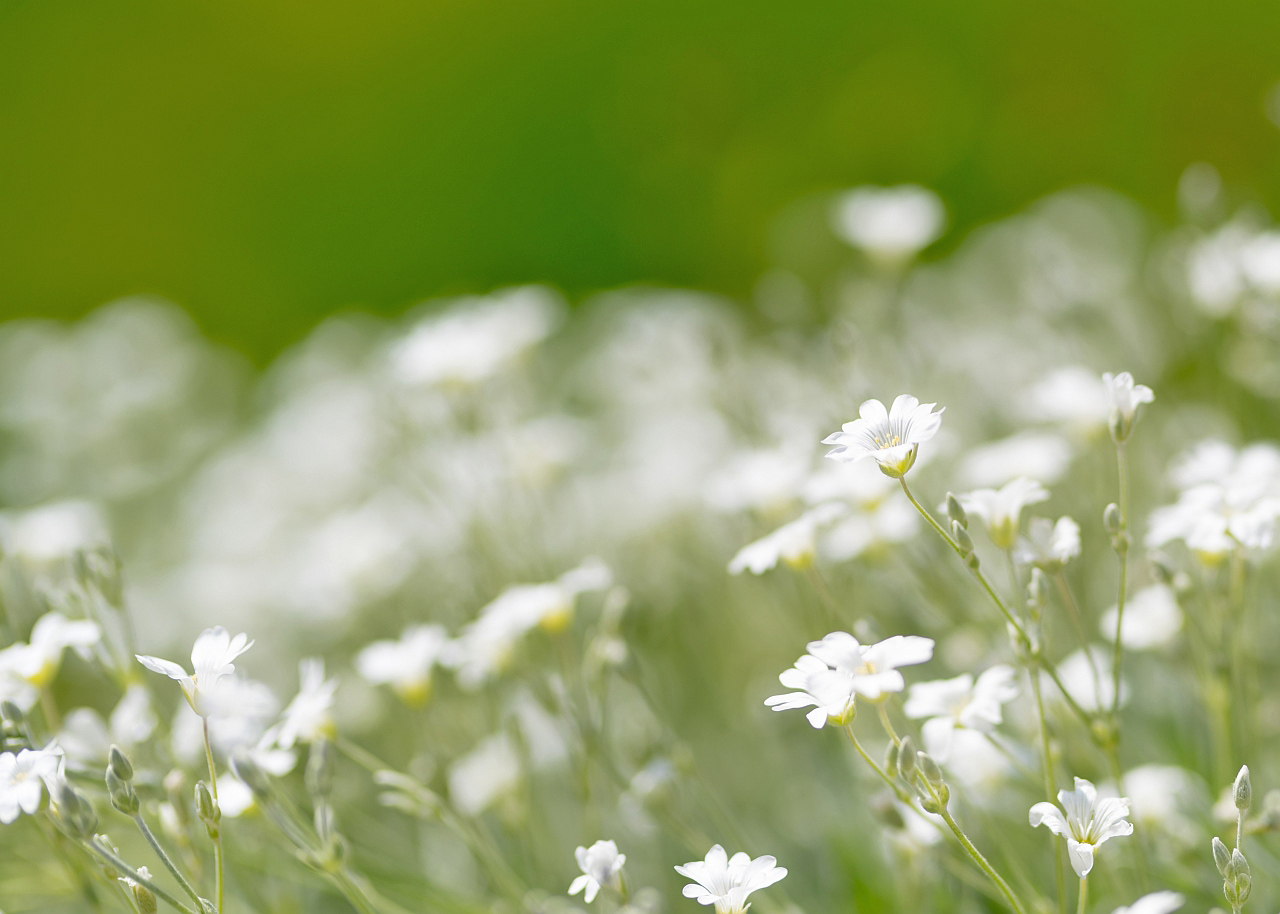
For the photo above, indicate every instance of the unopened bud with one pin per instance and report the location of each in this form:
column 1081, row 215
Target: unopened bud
column 907, row 758
column 117, row 762
column 963, row 540
column 207, row 809
column 956, row 511
column 929, row 768
column 123, row 796
column 1111, row 520
column 1238, row 866
column 1243, row 789
column 891, row 760
column 1221, row 856
column 143, row 897
column 75, row 812
column 12, row 713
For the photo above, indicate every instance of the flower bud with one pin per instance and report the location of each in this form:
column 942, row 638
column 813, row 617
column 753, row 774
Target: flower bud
column 117, row 762
column 12, row 713
column 1111, row 520
column 75, row 812
column 207, row 809
column 1243, row 789
column 962, row 538
column 143, row 897
column 1221, row 856
column 929, row 768
column 891, row 760
column 956, row 511
column 907, row 759
column 1238, row 866
column 123, row 796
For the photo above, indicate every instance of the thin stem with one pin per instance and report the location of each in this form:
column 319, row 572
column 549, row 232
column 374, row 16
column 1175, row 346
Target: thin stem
column 1049, row 782
column 888, row 724
column 217, row 841
column 1084, row 895
column 981, row 861
column 884, row 775
column 137, row 877
column 1239, row 829
column 1077, row 622
column 1122, row 469
column 52, row 719
column 164, row 858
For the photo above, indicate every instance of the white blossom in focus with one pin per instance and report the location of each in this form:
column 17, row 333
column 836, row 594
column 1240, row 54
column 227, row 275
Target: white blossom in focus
column 601, row 865
column 1085, row 821
column 891, row 436
column 891, row 224
column 726, row 882
column 960, row 703
column 212, row 657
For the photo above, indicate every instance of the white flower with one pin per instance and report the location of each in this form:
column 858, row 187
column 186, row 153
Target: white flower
column 891, row 224
column 23, row 779
column 951, row 704
column 32, row 666
column 54, row 531
column 1049, row 545
column 759, row 479
column 1085, row 821
column 1001, row 508
column 486, row 774
column 893, row 520
column 86, row 737
column 793, row 543
column 727, row 881
column 1125, row 397
column 892, row 437
column 406, row 664
column 1161, row 795
column 1165, row 902
column 1072, row 396
column 837, row 669
column 601, row 865
column 212, row 657
column 1090, row 692
column 1152, row 619
column 309, row 716
column 1040, row 455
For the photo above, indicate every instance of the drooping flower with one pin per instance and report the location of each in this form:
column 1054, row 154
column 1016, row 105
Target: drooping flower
column 309, row 716
column 890, row 224
column 892, row 437
column 726, row 882
column 406, row 664
column 793, row 543
column 1152, row 619
column 1049, row 545
column 1126, row 397
column 1085, row 821
column 601, row 865
column 838, row 669
column 1001, row 509
column 959, row 703
column 1164, row 902
column 212, row 657
column 23, row 779
column 28, row 668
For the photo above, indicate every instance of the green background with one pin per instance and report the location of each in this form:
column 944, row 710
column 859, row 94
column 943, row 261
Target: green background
column 266, row 162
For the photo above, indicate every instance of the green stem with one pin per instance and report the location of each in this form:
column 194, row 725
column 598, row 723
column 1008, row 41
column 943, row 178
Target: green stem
column 137, row 877
column 897, row 789
column 164, row 858
column 886, row 723
column 981, row 861
column 217, row 841
column 1049, row 782
column 1084, row 895
column 1077, row 622
column 1122, row 469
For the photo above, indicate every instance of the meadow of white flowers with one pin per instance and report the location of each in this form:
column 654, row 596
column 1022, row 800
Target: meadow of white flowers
column 491, row 609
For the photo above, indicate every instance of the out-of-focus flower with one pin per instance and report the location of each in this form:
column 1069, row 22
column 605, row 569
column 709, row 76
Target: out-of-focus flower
column 212, row 657
column 27, row 668
column 1049, row 545
column 1000, row 509
column 1164, row 902
column 309, row 716
column 54, row 531
column 1126, row 397
column 1039, row 455
column 86, row 737
column 726, row 882
column 1152, row 619
column 1073, row 396
column 959, row 703
column 406, row 664
column 837, row 669
column 483, row 776
column 475, row 338
column 601, row 865
column 793, row 543
column 1085, row 821
column 23, row 779
column 1087, row 678
column 892, row 437
column 761, row 480
column 891, row 224
column 1160, row 796
column 893, row 520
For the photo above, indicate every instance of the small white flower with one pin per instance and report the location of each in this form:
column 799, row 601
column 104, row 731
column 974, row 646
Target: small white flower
column 1077, row 673
column 32, row 666
column 406, row 664
column 793, row 543
column 1000, row 509
column 1041, row 455
column 1152, row 619
column 837, row 669
column 24, row 778
column 601, row 865
column 1085, row 821
column 1163, row 797
column 212, row 657
column 483, row 776
column 1073, row 396
column 891, row 224
column 892, row 437
column 727, row 881
column 959, row 703
column 309, row 716
column 1125, row 397
column 1165, row 902
column 1049, row 545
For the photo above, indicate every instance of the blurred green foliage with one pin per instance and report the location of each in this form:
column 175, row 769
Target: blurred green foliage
column 265, row 163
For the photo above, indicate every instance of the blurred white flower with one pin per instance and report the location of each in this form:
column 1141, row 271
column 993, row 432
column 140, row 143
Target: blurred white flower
column 1152, row 619
column 406, row 664
column 26, row 668
column 475, row 338
column 893, row 520
column 1077, row 673
column 86, row 737
column 1073, row 396
column 1164, row 902
column 212, row 658
column 601, row 865
column 793, row 543
column 1000, row 509
column 860, row 483
column 54, row 531
column 1039, row 455
column 1215, row 275
column 1048, row 544
column 235, row 798
column 1160, row 796
column 726, row 882
column 483, row 776
column 1126, row 397
column 891, row 224
column 959, row 703
column 1260, row 262
column 837, row 669
column 23, row 779
column 892, row 437
column 309, row 716
column 761, row 480
column 1085, row 821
